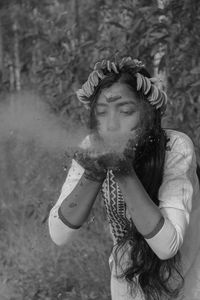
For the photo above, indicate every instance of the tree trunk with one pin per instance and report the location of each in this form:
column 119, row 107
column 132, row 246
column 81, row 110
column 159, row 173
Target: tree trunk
column 162, row 75
column 34, row 63
column 96, row 17
column 77, row 20
column 16, row 56
column 11, row 75
column 1, row 53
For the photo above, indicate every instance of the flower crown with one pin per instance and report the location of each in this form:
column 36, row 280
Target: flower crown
column 155, row 95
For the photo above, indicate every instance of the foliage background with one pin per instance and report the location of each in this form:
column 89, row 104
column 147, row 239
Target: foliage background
column 48, row 47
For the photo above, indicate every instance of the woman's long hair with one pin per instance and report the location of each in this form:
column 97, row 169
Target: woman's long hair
column 156, row 277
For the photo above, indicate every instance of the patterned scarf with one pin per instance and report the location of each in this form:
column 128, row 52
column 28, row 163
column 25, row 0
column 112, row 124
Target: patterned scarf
column 117, row 213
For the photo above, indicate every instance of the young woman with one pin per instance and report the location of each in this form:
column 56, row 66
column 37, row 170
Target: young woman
column 147, row 178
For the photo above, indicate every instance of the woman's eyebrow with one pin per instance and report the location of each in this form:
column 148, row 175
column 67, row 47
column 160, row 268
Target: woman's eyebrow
column 126, row 103
column 112, row 98
column 118, row 104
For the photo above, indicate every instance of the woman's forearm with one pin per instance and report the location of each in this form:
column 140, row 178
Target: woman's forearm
column 76, row 207
column 144, row 212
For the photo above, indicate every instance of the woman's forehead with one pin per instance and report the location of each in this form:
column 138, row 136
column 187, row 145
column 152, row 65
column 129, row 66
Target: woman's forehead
column 117, row 92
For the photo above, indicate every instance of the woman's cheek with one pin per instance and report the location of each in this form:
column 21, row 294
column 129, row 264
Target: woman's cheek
column 134, row 123
column 129, row 125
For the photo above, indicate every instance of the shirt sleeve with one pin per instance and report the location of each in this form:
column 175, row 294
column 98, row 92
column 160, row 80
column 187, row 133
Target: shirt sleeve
column 60, row 233
column 175, row 196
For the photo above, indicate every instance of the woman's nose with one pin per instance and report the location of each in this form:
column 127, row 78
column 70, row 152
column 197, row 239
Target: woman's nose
column 113, row 123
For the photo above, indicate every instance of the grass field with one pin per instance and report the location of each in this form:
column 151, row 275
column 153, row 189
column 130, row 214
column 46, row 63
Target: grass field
column 32, row 267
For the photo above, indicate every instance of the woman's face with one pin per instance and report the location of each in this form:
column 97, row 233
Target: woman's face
column 117, row 111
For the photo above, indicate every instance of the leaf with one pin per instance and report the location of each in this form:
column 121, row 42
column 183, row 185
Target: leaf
column 66, row 46
column 87, row 43
column 196, row 83
column 158, row 35
column 93, row 295
column 116, row 24
column 128, row 8
column 136, row 25
column 195, row 70
column 145, row 9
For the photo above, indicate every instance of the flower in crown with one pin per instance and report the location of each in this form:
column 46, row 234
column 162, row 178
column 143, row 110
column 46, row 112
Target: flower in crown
column 148, row 86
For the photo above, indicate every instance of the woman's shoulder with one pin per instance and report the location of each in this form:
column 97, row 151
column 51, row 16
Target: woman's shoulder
column 179, row 142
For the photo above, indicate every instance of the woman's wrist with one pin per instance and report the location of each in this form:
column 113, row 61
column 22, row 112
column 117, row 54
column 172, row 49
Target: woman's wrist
column 75, row 208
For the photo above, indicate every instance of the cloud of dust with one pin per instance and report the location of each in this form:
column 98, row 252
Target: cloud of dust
column 27, row 117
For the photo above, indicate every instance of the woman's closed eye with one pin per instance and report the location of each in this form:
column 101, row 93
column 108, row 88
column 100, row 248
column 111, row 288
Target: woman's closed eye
column 127, row 111
column 101, row 112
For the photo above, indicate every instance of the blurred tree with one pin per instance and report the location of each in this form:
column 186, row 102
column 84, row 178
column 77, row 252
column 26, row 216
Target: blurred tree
column 183, row 66
column 161, row 51
column 138, row 26
column 53, row 44
column 2, row 9
column 1, row 53
column 16, row 53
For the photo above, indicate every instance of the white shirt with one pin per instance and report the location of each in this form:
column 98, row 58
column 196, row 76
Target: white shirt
column 179, row 198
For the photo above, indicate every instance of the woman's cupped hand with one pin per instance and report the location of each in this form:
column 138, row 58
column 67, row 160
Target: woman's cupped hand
column 114, row 153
